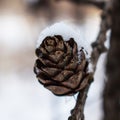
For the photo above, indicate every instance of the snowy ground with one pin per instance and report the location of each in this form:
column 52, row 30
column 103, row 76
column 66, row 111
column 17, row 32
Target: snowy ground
column 21, row 96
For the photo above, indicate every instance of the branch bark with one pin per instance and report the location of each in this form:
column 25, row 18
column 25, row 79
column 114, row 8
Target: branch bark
column 112, row 88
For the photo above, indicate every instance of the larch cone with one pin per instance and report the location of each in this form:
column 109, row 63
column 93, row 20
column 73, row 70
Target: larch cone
column 60, row 67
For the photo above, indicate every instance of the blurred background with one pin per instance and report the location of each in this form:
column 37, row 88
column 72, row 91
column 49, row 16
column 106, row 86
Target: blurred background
column 21, row 96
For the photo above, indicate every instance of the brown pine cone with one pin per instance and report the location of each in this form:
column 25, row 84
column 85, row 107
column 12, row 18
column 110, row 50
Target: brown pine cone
column 59, row 67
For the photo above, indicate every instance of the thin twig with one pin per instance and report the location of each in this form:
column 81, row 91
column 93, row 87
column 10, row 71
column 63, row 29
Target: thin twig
column 98, row 4
column 98, row 48
column 77, row 112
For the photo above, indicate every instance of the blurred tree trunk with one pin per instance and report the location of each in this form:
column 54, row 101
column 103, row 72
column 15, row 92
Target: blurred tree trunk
column 112, row 88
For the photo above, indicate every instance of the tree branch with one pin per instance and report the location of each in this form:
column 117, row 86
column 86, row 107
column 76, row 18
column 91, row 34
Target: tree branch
column 98, row 46
column 98, row 4
column 111, row 95
column 98, row 49
column 77, row 112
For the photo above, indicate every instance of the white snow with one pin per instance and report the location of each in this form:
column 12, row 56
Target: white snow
column 107, row 42
column 67, row 31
